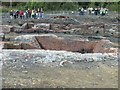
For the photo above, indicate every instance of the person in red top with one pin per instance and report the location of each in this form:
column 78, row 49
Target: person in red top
column 21, row 13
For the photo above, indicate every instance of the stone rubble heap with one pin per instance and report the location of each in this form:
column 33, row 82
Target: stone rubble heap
column 46, row 56
column 80, row 28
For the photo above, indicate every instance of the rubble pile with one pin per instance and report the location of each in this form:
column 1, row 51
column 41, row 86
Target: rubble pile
column 51, row 26
column 80, row 29
column 47, row 56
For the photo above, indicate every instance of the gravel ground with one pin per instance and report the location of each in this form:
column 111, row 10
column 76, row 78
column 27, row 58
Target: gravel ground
column 40, row 68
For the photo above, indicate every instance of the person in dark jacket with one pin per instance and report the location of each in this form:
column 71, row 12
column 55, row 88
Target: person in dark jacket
column 27, row 15
column 11, row 14
column 17, row 13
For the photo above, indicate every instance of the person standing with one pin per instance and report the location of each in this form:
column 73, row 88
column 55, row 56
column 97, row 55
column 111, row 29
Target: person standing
column 24, row 15
column 37, row 13
column 93, row 11
column 21, row 14
column 17, row 13
column 101, row 10
column 79, row 11
column 89, row 11
column 11, row 14
column 96, row 11
column 104, row 12
column 29, row 13
column 14, row 14
column 41, row 13
column 33, row 13
column 82, row 11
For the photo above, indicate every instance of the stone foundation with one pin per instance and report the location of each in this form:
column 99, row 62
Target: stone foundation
column 53, row 42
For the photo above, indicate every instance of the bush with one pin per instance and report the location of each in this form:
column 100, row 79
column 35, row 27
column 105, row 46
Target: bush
column 4, row 9
column 114, row 6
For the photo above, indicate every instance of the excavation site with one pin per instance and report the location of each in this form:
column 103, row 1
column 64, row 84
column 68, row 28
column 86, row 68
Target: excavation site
column 60, row 51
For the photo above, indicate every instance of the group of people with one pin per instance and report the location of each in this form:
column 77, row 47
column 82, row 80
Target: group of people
column 93, row 11
column 38, row 13
column 35, row 13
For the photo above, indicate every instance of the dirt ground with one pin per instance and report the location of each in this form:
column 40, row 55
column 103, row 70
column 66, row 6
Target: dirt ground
column 79, row 75
column 96, row 74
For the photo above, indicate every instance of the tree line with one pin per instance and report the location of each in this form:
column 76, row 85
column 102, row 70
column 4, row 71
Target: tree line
column 49, row 6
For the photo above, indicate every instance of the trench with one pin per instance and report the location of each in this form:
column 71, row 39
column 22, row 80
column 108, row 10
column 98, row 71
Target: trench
column 58, row 44
column 22, row 46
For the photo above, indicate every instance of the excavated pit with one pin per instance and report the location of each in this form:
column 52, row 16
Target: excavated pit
column 53, row 42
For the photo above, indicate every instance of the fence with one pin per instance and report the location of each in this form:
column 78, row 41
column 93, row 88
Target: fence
column 62, row 12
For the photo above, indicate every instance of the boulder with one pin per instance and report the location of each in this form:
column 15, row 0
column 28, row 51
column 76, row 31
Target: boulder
column 59, row 27
column 20, row 23
column 27, row 25
column 30, row 25
column 6, row 28
column 43, row 26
